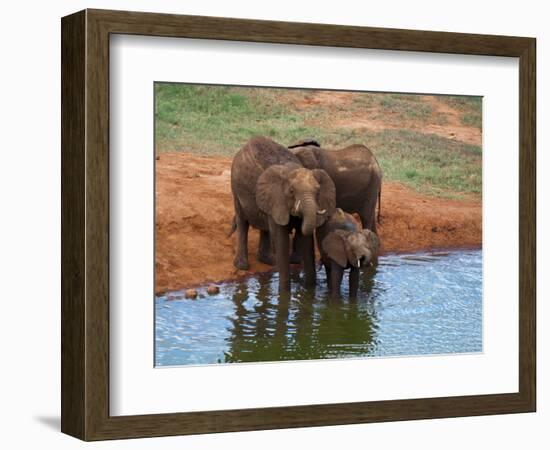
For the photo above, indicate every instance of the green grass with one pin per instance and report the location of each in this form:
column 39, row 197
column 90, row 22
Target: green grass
column 427, row 162
column 468, row 106
column 395, row 108
column 218, row 120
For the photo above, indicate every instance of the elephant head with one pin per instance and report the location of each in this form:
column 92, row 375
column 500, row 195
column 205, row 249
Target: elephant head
column 308, row 152
column 285, row 190
column 356, row 248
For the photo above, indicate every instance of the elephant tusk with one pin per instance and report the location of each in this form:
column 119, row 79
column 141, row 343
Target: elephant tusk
column 297, row 205
column 358, row 263
column 322, row 211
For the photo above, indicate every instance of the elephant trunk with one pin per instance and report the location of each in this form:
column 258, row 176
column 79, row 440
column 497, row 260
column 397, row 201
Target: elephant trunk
column 367, row 255
column 364, row 257
column 309, row 215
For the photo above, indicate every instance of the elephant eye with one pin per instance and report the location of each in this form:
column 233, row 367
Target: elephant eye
column 292, row 190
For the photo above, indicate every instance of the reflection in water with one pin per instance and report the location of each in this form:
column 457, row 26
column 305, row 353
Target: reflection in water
column 408, row 305
column 277, row 328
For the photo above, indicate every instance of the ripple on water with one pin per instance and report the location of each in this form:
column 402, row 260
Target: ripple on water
column 417, row 304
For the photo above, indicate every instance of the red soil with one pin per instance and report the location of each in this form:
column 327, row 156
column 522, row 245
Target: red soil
column 194, row 209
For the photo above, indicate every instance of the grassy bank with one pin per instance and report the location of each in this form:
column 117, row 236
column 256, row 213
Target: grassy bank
column 468, row 107
column 218, row 120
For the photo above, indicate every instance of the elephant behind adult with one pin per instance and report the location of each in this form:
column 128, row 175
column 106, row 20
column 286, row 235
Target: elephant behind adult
column 355, row 172
column 274, row 193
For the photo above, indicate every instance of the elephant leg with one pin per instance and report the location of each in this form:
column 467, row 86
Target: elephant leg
column 336, row 275
column 281, row 245
column 368, row 216
column 265, row 253
column 307, row 248
column 353, row 282
column 368, row 212
column 241, row 258
column 295, row 257
column 327, row 272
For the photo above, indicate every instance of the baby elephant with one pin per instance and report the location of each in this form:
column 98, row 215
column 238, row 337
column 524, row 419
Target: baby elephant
column 343, row 245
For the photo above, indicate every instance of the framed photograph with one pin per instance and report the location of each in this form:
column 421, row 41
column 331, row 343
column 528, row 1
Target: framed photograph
column 273, row 225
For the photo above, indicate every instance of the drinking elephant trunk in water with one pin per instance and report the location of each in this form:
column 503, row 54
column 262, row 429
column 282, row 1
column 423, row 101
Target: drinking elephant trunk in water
column 365, row 258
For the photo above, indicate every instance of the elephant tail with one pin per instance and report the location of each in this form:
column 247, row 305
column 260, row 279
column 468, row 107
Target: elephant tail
column 233, row 227
column 379, row 203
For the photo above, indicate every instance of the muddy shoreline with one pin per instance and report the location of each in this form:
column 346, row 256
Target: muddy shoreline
column 194, row 209
column 243, row 275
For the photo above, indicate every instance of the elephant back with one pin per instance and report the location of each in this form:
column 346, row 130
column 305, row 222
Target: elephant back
column 266, row 152
column 257, row 155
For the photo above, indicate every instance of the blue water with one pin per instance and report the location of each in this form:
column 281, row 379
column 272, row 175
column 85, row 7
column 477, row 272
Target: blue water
column 418, row 304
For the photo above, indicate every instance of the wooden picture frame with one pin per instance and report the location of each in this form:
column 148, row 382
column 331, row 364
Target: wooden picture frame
column 85, row 224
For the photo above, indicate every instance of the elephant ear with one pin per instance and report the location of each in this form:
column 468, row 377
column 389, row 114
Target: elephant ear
column 326, row 199
column 372, row 240
column 334, row 246
column 270, row 193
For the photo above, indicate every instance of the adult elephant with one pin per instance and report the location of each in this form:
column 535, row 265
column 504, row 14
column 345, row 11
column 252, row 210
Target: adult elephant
column 355, row 172
column 274, row 193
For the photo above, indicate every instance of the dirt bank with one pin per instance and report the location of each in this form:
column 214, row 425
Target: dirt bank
column 194, row 209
